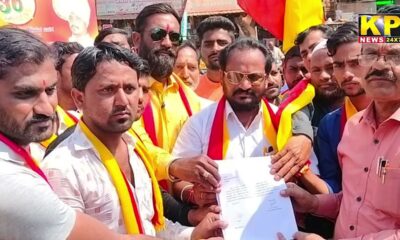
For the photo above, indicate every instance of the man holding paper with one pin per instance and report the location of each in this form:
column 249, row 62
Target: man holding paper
column 240, row 128
column 240, row 124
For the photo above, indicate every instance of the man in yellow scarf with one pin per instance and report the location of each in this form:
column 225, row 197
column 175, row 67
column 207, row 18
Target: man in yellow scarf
column 155, row 39
column 242, row 123
column 106, row 172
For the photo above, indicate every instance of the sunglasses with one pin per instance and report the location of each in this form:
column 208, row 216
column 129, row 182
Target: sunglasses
column 158, row 34
column 236, row 77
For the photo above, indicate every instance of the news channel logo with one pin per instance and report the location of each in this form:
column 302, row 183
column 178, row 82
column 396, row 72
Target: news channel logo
column 379, row 28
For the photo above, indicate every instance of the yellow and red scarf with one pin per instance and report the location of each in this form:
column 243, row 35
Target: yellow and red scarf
column 298, row 97
column 219, row 137
column 65, row 117
column 130, row 211
column 347, row 112
column 24, row 155
column 277, row 127
column 149, row 117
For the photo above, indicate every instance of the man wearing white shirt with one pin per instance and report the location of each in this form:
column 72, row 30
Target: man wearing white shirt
column 124, row 195
column 245, row 67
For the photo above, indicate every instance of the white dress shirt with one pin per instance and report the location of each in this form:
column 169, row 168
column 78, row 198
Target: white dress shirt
column 194, row 137
column 79, row 178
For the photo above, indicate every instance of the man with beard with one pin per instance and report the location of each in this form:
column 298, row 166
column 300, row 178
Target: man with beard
column 344, row 48
column 66, row 111
column 368, row 206
column 215, row 33
column 273, row 86
column 109, row 175
column 328, row 95
column 172, row 102
column 29, row 208
column 245, row 66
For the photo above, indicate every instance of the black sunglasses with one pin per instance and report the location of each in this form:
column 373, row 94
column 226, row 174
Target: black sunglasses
column 158, row 34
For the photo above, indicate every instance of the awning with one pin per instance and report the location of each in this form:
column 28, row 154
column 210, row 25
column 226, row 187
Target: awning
column 129, row 9
column 212, row 7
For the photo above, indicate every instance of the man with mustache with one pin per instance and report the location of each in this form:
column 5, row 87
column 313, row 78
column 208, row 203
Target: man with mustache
column 109, row 174
column 344, row 48
column 328, row 95
column 29, row 208
column 171, row 101
column 66, row 111
column 314, row 108
column 273, row 86
column 215, row 33
column 245, row 66
column 187, row 64
column 368, row 205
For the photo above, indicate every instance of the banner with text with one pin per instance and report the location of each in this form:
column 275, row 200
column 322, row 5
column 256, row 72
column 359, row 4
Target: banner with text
column 53, row 20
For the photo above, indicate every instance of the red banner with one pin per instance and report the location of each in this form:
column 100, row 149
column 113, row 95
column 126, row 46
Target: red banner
column 53, row 20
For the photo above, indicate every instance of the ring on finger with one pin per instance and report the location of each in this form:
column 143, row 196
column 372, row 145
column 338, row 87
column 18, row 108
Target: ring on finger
column 205, row 175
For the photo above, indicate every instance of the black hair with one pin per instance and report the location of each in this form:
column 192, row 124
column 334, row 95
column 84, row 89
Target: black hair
column 150, row 10
column 145, row 68
column 347, row 33
column 85, row 64
column 63, row 50
column 108, row 31
column 394, row 9
column 326, row 30
column 189, row 44
column 242, row 44
column 292, row 53
column 19, row 46
column 216, row 22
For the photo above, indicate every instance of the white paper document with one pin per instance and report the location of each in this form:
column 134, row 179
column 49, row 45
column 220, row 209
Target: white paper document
column 251, row 203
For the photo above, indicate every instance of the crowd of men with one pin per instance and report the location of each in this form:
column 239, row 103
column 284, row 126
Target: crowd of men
column 120, row 140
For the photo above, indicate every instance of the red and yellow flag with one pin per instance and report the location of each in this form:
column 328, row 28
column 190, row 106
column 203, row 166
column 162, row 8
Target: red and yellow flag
column 284, row 18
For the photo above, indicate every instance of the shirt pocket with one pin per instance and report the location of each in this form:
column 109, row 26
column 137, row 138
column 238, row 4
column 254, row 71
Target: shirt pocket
column 386, row 193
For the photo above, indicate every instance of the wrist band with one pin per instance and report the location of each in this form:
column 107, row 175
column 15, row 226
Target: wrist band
column 170, row 177
column 183, row 190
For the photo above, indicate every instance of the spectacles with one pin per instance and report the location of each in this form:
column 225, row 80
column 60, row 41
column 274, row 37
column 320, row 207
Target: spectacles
column 158, row 34
column 368, row 59
column 236, row 77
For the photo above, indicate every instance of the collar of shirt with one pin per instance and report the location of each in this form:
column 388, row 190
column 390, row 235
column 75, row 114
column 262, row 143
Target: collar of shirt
column 8, row 155
column 230, row 114
column 368, row 116
column 82, row 143
column 159, row 87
